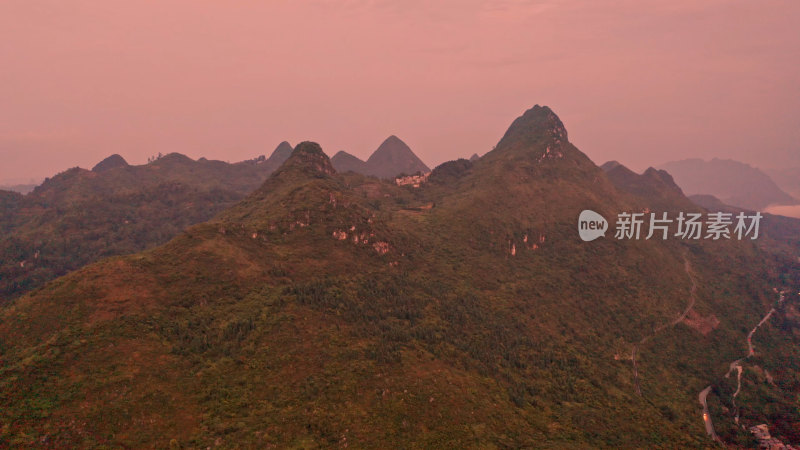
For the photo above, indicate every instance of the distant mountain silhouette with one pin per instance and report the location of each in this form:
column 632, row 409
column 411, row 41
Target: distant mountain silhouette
column 112, row 162
column 392, row 158
column 610, row 165
column 345, row 162
column 788, row 179
column 733, row 182
column 281, row 154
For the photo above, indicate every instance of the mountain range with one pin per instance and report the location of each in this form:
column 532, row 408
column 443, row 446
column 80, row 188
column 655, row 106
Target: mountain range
column 336, row 309
column 733, row 182
column 392, row 158
column 80, row 216
column 779, row 234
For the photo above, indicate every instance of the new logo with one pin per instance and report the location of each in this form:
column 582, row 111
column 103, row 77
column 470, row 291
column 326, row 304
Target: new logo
column 629, row 225
column 591, row 225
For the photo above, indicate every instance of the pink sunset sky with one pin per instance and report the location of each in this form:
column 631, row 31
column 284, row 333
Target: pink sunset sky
column 642, row 82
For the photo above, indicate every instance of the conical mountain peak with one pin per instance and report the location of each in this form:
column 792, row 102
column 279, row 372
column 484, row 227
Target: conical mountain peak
column 394, row 140
column 536, row 124
column 391, row 146
column 309, row 158
column 281, row 153
column 345, row 162
column 538, row 137
column 341, row 154
column 393, row 157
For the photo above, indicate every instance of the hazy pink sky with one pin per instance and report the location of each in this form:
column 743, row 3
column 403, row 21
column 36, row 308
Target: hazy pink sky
column 642, row 82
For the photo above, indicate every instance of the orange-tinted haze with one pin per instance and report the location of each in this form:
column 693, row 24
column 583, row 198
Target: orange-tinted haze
column 640, row 82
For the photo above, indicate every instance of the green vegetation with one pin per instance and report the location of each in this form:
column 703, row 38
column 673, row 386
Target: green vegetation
column 81, row 216
column 328, row 310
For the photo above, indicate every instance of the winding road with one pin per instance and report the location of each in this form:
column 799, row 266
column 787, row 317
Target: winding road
column 707, row 417
column 736, row 365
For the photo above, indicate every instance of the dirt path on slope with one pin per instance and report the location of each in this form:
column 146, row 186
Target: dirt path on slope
column 692, row 300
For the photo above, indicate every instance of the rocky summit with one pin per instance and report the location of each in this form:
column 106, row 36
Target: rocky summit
column 330, row 309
